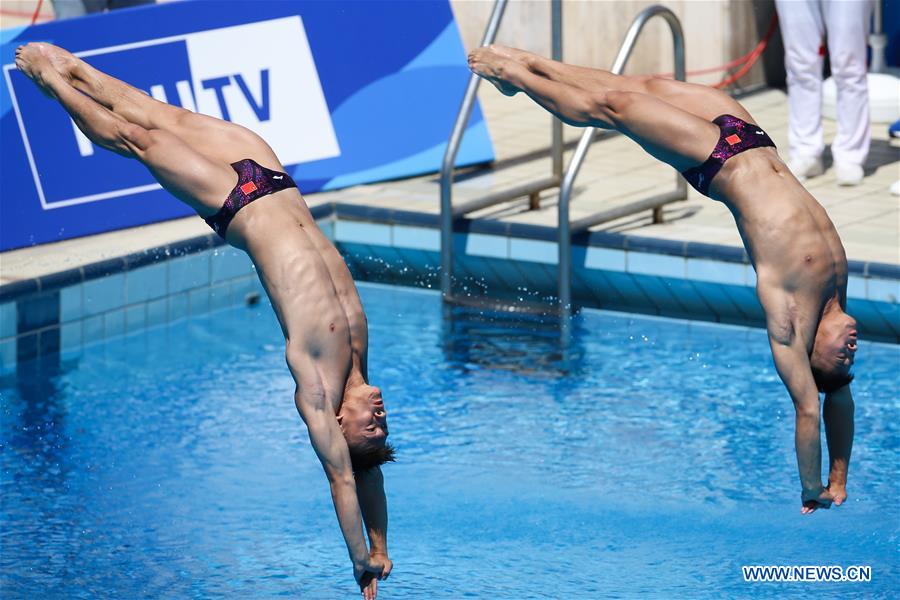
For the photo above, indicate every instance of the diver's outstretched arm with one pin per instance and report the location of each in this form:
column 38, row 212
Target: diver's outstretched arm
column 792, row 364
column 373, row 503
column 328, row 441
column 838, row 414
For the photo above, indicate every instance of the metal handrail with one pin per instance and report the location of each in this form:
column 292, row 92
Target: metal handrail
column 655, row 203
column 449, row 213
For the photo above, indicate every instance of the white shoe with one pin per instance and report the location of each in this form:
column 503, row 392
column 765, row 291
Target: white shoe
column 895, row 188
column 848, row 173
column 804, row 167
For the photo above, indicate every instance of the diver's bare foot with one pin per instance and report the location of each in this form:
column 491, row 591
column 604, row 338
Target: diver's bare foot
column 515, row 54
column 37, row 67
column 491, row 65
column 62, row 60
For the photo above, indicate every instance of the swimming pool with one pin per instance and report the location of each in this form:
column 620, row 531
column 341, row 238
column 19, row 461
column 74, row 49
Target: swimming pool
column 648, row 456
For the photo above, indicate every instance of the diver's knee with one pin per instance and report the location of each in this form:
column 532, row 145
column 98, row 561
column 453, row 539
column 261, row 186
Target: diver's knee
column 596, row 109
column 617, row 102
column 650, row 84
column 132, row 138
column 125, row 138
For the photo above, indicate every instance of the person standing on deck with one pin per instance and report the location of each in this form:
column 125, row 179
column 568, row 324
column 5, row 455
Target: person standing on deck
column 808, row 27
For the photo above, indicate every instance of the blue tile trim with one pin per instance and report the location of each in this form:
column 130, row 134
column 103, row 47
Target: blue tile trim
column 408, row 217
column 378, row 215
column 883, row 270
column 655, row 246
column 147, row 257
column 533, row 232
column 857, row 267
column 601, row 239
column 361, row 212
column 196, row 244
column 598, row 239
column 18, row 289
column 103, row 268
column 715, row 252
column 322, row 211
column 62, row 279
column 485, row 226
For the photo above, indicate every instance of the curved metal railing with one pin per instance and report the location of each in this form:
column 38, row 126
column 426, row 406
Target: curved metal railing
column 567, row 228
column 566, row 182
column 449, row 212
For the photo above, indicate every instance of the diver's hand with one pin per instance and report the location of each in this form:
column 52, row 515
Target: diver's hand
column 367, row 573
column 813, row 500
column 387, row 562
column 370, row 590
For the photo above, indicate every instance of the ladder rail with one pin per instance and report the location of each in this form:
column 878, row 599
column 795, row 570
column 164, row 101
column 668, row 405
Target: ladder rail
column 449, row 213
column 565, row 226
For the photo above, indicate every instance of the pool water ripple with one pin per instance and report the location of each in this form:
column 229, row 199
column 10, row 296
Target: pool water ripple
column 646, row 456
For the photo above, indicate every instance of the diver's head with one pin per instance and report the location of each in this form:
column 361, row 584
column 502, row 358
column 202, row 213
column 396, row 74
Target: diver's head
column 833, row 351
column 363, row 421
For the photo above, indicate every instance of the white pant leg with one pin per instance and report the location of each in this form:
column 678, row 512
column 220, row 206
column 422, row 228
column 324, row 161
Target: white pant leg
column 66, row 9
column 803, row 30
column 847, row 23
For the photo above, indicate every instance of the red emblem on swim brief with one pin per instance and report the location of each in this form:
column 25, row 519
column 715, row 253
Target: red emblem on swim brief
column 248, row 187
column 733, row 139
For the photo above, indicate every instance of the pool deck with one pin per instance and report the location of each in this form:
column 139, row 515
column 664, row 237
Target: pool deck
column 616, row 172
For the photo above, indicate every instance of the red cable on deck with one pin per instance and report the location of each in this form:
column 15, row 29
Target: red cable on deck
column 753, row 56
column 37, row 11
column 746, row 61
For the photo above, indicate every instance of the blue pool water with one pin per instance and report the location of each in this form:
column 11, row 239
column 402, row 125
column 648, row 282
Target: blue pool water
column 649, row 457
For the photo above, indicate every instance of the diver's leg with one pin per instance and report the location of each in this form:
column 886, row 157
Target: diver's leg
column 672, row 135
column 201, row 183
column 214, row 138
column 701, row 100
column 130, row 103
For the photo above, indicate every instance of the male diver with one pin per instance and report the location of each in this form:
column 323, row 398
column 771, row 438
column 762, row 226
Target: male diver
column 234, row 181
column 800, row 263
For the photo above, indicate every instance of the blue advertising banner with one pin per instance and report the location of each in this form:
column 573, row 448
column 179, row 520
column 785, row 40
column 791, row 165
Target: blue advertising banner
column 345, row 92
